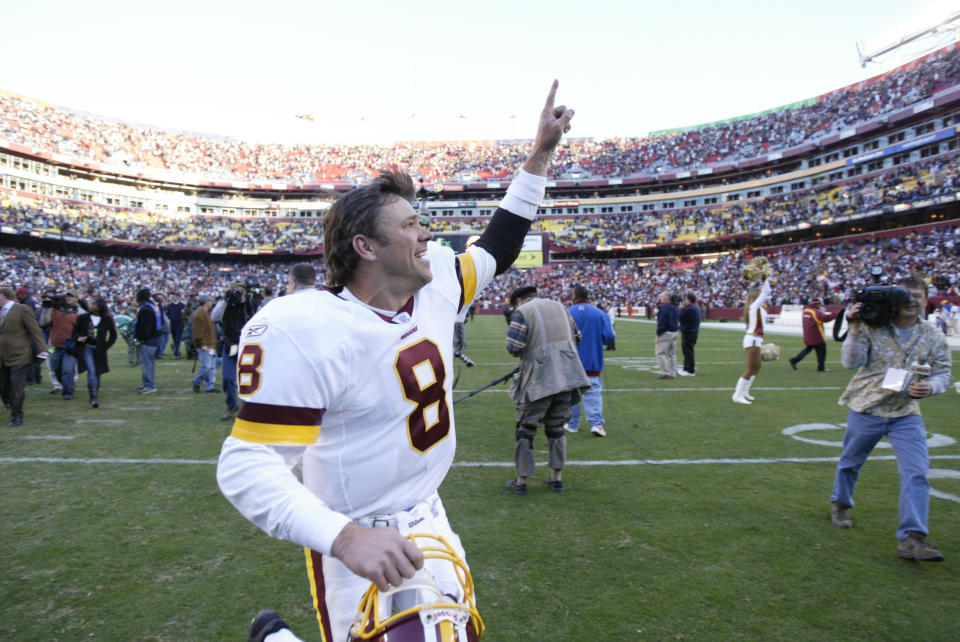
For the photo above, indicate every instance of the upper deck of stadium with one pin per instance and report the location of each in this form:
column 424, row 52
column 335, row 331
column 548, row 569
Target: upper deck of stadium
column 733, row 149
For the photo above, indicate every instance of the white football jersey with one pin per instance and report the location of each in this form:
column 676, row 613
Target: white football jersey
column 369, row 396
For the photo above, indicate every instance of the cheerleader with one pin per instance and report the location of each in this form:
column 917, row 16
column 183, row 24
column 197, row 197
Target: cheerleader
column 755, row 316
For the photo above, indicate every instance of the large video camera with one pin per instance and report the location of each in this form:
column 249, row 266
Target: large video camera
column 233, row 296
column 254, row 295
column 50, row 300
column 878, row 303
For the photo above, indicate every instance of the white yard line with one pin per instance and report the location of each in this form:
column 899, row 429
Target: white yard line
column 935, row 473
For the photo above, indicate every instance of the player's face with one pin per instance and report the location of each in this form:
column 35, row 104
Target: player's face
column 402, row 247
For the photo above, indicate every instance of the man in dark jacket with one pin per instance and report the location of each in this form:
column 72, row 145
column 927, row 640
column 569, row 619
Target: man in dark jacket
column 231, row 313
column 148, row 333
column 174, row 312
column 20, row 341
column 689, row 331
column 814, row 316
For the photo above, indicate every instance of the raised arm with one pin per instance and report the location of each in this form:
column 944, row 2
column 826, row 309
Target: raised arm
column 503, row 238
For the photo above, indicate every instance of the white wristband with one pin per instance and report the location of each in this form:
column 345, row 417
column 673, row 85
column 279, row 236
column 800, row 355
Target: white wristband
column 524, row 194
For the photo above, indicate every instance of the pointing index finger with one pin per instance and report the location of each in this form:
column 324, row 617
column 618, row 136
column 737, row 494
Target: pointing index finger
column 551, row 96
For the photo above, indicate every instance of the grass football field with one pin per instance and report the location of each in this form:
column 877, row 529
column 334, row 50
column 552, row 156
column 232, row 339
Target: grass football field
column 695, row 519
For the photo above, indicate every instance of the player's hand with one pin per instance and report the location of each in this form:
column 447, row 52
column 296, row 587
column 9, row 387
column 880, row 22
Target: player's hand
column 382, row 555
column 554, row 123
column 920, row 389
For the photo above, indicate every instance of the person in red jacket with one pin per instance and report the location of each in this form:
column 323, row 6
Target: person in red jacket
column 814, row 316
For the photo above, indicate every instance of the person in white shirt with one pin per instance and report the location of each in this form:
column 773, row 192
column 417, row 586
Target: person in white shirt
column 354, row 381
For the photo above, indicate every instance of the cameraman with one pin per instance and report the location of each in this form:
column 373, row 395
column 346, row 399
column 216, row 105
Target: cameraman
column 885, row 352
column 48, row 300
column 231, row 312
column 63, row 313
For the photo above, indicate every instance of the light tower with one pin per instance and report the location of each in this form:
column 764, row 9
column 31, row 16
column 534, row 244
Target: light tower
column 930, row 30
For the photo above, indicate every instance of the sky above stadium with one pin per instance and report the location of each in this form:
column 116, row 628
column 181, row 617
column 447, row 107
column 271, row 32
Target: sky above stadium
column 379, row 71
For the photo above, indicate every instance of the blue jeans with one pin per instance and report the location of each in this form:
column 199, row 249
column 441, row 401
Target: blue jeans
column 164, row 338
column 208, row 369
column 148, row 355
column 592, row 403
column 908, row 436
column 65, row 367
column 229, row 377
column 90, row 363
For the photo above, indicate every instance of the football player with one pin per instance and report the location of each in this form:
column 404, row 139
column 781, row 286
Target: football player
column 354, row 382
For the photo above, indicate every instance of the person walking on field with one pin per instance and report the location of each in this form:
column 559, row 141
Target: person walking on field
column 95, row 333
column 814, row 316
column 548, row 383
column 595, row 333
column 20, row 341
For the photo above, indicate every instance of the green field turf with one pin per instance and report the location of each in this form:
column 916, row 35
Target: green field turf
column 695, row 519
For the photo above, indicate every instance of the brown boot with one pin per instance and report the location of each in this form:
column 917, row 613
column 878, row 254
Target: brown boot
column 839, row 516
column 915, row 547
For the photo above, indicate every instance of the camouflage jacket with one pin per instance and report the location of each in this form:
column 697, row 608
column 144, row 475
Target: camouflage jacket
column 878, row 348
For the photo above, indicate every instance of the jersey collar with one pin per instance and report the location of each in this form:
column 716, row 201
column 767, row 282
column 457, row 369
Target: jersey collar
column 403, row 315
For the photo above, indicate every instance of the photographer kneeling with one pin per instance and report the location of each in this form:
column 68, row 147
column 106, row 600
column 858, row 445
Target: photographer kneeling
column 901, row 359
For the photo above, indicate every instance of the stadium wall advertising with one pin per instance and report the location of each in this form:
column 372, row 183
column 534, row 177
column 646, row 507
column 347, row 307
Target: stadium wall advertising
column 532, row 255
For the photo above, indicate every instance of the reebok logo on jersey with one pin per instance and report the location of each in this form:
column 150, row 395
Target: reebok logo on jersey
column 255, row 330
column 408, row 333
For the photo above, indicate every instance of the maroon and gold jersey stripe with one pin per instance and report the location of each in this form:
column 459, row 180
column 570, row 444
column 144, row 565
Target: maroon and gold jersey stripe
column 278, row 425
column 318, row 591
column 467, row 272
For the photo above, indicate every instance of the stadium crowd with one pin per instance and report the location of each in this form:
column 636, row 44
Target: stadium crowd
column 95, row 222
column 89, row 138
column 901, row 184
column 831, row 271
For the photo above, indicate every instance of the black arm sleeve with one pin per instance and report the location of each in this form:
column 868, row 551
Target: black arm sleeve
column 503, row 238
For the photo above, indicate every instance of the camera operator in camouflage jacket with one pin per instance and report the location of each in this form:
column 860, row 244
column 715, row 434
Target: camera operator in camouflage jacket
column 899, row 362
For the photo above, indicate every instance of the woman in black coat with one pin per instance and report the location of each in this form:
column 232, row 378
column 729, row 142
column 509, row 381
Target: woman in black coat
column 95, row 332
